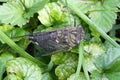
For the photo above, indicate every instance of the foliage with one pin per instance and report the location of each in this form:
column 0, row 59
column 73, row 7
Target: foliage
column 3, row 59
column 80, row 77
column 98, row 54
column 92, row 51
column 51, row 14
column 12, row 31
column 107, row 64
column 46, row 76
column 67, row 64
column 20, row 68
column 14, row 11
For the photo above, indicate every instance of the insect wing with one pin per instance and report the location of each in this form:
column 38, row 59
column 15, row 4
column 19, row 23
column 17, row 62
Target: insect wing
column 47, row 41
column 58, row 40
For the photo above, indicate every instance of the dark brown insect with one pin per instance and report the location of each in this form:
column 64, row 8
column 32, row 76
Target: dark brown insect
column 58, row 40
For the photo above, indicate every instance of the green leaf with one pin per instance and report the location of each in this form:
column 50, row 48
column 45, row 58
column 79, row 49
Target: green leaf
column 83, row 5
column 6, row 78
column 51, row 14
column 46, row 76
column 113, row 76
column 3, row 59
column 106, row 61
column 2, row 69
column 57, row 58
column 80, row 77
column 4, row 0
column 109, row 63
column 118, row 3
column 23, row 43
column 33, row 6
column 114, row 72
column 61, row 58
column 105, row 76
column 104, row 14
column 18, row 12
column 98, row 76
column 63, row 71
column 92, row 50
column 23, row 69
column 115, row 67
column 13, row 32
column 6, row 28
column 12, row 12
column 67, row 65
column 30, row 3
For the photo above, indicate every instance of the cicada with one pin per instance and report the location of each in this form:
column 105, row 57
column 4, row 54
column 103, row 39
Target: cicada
column 58, row 40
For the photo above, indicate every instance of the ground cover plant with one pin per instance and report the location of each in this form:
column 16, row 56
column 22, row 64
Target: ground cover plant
column 97, row 57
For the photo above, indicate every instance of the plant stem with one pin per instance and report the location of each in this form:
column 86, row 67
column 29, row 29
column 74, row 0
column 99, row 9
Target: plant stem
column 85, row 70
column 49, row 66
column 79, row 59
column 14, row 46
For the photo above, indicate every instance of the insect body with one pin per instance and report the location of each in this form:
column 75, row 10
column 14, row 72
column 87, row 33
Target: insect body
column 58, row 40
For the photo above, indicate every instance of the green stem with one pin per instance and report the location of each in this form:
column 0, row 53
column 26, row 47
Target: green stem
column 77, row 11
column 85, row 70
column 79, row 59
column 49, row 67
column 14, row 46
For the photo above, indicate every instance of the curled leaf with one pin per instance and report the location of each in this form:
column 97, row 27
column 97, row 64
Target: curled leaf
column 67, row 64
column 79, row 77
column 51, row 14
column 63, row 71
